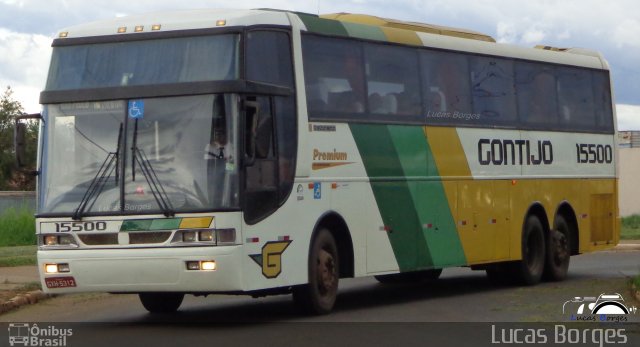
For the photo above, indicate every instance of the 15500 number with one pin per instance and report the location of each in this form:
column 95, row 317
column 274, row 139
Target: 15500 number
column 65, row 227
column 590, row 153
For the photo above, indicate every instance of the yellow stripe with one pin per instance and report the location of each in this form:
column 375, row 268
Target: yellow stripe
column 194, row 223
column 402, row 36
column 447, row 152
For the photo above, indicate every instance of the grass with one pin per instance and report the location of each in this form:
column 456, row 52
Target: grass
column 18, row 255
column 17, row 227
column 630, row 228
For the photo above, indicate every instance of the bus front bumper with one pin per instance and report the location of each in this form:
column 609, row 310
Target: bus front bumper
column 136, row 270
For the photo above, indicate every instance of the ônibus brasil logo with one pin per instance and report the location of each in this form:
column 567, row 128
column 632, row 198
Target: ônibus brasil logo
column 604, row 308
column 25, row 334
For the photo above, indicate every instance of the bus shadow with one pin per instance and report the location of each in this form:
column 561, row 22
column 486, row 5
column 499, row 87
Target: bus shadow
column 352, row 298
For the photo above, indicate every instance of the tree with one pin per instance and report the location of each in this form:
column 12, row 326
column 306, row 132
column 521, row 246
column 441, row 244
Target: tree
column 10, row 177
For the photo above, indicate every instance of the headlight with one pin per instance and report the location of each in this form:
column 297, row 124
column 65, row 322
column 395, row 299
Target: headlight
column 205, row 237
column 53, row 240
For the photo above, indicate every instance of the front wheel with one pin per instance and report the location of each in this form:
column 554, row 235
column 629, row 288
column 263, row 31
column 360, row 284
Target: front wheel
column 319, row 295
column 161, row 302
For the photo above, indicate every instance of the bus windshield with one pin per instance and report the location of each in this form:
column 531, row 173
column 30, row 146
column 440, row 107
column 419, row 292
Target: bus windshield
column 188, row 143
column 151, row 62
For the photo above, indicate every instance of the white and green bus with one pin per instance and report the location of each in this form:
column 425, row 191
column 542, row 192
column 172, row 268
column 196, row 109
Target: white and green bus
column 266, row 152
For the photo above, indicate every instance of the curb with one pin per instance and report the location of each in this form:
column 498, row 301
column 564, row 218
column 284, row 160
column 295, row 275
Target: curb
column 627, row 247
column 23, row 299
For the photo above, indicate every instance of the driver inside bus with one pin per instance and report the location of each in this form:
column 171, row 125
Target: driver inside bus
column 219, row 147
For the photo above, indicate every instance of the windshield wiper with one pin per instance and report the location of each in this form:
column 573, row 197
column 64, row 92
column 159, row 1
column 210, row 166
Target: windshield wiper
column 97, row 183
column 157, row 189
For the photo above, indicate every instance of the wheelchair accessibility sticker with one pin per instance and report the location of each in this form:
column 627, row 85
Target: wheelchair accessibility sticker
column 136, row 109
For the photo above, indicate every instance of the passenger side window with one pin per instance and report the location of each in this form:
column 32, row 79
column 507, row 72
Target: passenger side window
column 269, row 58
column 445, row 80
column 334, row 76
column 537, row 100
column 392, row 82
column 575, row 98
column 493, row 89
column 604, row 120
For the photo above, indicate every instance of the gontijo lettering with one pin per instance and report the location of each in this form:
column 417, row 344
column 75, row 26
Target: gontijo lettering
column 514, row 152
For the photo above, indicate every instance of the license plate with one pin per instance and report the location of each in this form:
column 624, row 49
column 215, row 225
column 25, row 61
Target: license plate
column 60, row 282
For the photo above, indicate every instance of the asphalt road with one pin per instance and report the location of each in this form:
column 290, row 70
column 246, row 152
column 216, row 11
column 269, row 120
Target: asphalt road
column 460, row 295
column 462, row 308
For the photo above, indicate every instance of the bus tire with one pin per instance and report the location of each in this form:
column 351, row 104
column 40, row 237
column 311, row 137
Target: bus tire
column 161, row 302
column 528, row 271
column 319, row 295
column 558, row 251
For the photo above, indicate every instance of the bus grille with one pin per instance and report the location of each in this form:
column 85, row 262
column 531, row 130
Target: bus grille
column 135, row 238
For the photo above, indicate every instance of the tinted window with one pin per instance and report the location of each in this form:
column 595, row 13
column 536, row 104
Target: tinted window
column 334, row 76
column 268, row 58
column 452, row 88
column 136, row 63
column 602, row 92
column 575, row 98
column 446, row 88
column 493, row 89
column 393, row 83
column 537, row 99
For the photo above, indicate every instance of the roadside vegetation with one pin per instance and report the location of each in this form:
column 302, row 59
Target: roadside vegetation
column 17, row 227
column 17, row 237
column 630, row 228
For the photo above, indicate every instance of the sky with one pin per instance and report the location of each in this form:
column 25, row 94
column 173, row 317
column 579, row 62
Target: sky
column 612, row 27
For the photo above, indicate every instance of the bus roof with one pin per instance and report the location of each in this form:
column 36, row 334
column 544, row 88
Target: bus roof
column 337, row 24
column 413, row 26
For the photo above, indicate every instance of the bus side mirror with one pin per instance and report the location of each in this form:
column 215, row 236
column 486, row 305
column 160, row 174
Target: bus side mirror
column 252, row 112
column 19, row 138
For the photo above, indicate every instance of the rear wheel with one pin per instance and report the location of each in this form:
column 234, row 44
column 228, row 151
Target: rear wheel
column 558, row 251
column 161, row 302
column 319, row 295
column 529, row 270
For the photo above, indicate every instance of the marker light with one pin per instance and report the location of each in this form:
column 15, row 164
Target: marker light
column 139, row 28
column 63, row 34
column 56, row 268
column 189, row 236
column 226, row 236
column 156, row 27
column 58, row 240
column 205, row 235
column 51, row 240
column 221, row 22
column 64, row 267
column 205, row 265
column 208, row 265
column 51, row 268
column 193, row 265
column 122, row 30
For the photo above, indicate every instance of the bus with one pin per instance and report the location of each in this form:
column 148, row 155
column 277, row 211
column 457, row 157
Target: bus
column 269, row 152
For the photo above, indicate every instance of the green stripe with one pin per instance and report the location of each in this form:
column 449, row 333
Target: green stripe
column 362, row 31
column 393, row 197
column 165, row 224
column 151, row 224
column 136, row 225
column 437, row 224
column 323, row 26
